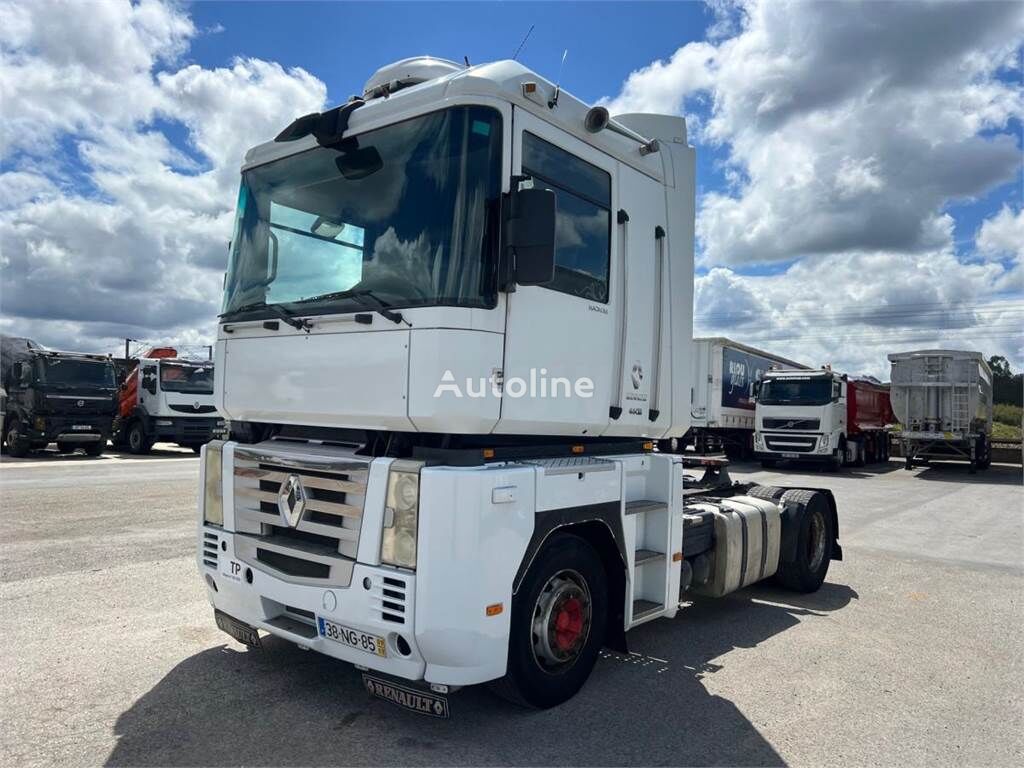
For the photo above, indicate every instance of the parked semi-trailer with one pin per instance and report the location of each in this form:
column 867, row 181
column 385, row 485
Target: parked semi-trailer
column 165, row 398
column 457, row 314
column 943, row 401
column 823, row 416
column 67, row 398
column 725, row 374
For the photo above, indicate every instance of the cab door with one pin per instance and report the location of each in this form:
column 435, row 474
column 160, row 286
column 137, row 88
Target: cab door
column 560, row 336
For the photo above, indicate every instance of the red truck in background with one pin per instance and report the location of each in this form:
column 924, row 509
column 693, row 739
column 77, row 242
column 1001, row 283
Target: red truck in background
column 821, row 415
column 168, row 399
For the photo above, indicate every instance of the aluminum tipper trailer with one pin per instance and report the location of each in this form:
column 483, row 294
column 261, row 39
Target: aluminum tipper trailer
column 943, row 401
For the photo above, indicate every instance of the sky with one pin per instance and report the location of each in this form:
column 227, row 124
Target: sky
column 859, row 183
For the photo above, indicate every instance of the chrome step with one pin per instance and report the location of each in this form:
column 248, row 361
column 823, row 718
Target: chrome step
column 645, row 608
column 643, row 505
column 643, row 556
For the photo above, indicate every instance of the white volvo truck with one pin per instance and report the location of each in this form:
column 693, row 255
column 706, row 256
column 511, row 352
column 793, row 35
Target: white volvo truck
column 457, row 314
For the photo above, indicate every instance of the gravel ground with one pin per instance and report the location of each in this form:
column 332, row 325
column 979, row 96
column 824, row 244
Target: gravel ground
column 911, row 653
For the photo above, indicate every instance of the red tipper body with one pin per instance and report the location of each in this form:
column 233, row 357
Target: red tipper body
column 867, row 406
column 128, row 396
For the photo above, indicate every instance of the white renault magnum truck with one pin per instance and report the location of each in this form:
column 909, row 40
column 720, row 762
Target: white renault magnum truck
column 457, row 315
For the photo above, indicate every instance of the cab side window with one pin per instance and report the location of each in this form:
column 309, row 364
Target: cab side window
column 583, row 222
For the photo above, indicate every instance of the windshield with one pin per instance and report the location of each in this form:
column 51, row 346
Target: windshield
column 63, row 372
column 809, row 391
column 406, row 213
column 178, row 377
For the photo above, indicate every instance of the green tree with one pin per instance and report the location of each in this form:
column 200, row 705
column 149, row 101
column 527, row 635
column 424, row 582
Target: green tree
column 1007, row 387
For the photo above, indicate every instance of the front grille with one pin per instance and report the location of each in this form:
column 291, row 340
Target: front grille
column 321, row 547
column 210, row 545
column 197, row 428
column 193, row 409
column 807, row 425
column 791, row 443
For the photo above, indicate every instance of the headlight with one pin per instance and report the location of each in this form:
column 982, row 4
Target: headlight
column 825, row 439
column 213, row 499
column 758, row 440
column 401, row 515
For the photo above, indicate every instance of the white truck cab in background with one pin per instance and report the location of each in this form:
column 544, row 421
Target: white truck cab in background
column 821, row 415
column 457, row 316
column 165, row 398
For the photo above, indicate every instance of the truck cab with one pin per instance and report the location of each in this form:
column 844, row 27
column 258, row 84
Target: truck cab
column 66, row 398
column 167, row 399
column 457, row 315
column 802, row 415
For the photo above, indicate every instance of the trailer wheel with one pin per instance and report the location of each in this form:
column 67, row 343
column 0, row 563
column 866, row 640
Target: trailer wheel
column 814, row 537
column 138, row 443
column 17, row 446
column 557, row 625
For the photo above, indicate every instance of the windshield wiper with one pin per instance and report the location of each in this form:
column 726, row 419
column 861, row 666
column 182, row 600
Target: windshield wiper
column 384, row 310
column 295, row 322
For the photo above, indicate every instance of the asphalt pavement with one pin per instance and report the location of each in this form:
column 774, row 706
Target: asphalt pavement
column 911, row 654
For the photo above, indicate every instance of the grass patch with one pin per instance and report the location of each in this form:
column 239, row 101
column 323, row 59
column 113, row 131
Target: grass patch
column 1008, row 414
column 1002, row 431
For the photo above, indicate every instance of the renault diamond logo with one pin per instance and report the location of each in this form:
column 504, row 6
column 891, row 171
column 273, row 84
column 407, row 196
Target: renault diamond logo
column 195, row 405
column 291, row 500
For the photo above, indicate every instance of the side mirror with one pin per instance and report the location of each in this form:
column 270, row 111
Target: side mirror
column 755, row 389
column 530, row 235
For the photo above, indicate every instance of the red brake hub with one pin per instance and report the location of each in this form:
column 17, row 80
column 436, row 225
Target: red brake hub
column 568, row 624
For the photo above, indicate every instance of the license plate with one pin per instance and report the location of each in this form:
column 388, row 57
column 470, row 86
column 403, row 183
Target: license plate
column 353, row 638
column 420, row 702
column 791, row 455
column 83, row 427
column 239, row 630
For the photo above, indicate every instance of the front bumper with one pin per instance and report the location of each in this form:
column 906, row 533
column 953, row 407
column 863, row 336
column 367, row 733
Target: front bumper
column 782, row 446
column 71, row 429
column 291, row 611
column 184, row 431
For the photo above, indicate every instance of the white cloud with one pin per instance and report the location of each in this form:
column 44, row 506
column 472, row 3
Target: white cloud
column 848, row 130
column 125, row 236
column 1002, row 235
column 850, row 310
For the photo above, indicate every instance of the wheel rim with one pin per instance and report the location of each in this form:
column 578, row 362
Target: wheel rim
column 135, row 439
column 816, row 541
column 561, row 621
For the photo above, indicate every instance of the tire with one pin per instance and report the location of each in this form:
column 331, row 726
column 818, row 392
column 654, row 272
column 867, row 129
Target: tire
column 565, row 578
column 767, row 492
column 838, row 457
column 909, row 463
column 815, row 535
column 17, row 446
column 96, row 449
column 860, row 446
column 137, row 441
column 66, row 447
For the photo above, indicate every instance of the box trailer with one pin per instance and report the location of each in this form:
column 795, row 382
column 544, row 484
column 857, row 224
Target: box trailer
column 943, row 401
column 722, row 401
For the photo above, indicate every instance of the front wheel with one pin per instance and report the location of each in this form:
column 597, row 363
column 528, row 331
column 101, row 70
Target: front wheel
column 17, row 446
column 138, row 443
column 557, row 625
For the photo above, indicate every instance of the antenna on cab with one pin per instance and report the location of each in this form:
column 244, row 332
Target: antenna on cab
column 558, row 87
column 525, row 38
